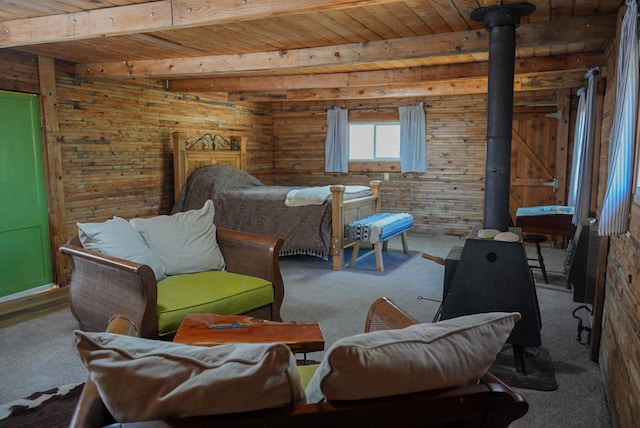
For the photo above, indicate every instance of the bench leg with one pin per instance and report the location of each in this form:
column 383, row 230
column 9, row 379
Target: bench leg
column 379, row 265
column 405, row 247
column 376, row 248
column 354, row 255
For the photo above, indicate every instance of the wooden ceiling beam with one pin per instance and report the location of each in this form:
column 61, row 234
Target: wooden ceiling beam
column 112, row 21
column 463, row 86
column 531, row 35
column 159, row 15
column 190, row 13
column 382, row 77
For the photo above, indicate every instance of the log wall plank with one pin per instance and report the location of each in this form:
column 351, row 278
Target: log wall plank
column 19, row 72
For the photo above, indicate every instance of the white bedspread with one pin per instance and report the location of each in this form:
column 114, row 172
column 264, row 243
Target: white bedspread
column 315, row 195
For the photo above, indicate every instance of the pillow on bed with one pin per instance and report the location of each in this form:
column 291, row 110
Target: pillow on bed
column 421, row 357
column 184, row 242
column 140, row 379
column 117, row 238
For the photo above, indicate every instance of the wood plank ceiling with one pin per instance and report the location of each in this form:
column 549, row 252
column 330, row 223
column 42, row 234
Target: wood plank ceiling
column 296, row 50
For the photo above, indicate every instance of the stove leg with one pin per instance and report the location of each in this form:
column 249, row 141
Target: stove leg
column 518, row 359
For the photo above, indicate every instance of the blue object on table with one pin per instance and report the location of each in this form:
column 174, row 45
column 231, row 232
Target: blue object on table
column 544, row 210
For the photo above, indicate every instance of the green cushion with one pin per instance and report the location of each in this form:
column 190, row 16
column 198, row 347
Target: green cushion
column 217, row 292
column 306, row 372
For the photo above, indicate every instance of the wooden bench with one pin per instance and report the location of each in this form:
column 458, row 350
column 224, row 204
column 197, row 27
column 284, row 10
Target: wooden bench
column 378, row 229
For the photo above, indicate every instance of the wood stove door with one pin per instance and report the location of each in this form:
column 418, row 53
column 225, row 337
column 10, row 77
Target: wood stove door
column 533, row 161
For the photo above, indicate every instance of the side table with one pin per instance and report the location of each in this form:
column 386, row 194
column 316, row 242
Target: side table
column 214, row 329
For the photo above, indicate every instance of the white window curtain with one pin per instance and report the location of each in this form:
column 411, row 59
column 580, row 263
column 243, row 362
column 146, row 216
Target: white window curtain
column 336, row 151
column 617, row 200
column 413, row 150
column 584, row 140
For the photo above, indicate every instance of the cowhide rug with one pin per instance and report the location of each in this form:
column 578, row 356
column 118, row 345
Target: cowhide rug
column 52, row 408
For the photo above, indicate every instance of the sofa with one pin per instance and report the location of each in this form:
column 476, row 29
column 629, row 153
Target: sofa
column 414, row 398
column 157, row 270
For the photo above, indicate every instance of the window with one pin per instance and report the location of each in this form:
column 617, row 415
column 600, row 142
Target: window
column 374, row 141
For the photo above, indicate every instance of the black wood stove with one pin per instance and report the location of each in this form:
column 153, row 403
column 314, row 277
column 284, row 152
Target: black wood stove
column 494, row 275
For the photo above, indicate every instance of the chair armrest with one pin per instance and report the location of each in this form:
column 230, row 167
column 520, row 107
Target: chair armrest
column 90, row 411
column 509, row 404
column 384, row 315
column 254, row 255
column 102, row 285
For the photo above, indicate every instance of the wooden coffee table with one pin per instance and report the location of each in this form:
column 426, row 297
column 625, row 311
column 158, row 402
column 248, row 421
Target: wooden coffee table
column 213, row 329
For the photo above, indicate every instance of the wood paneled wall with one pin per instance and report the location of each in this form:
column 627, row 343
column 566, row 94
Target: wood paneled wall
column 447, row 199
column 18, row 72
column 115, row 139
column 620, row 341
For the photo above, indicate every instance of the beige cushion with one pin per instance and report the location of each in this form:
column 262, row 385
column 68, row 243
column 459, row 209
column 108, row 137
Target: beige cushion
column 487, row 233
column 507, row 237
column 421, row 357
column 184, row 242
column 118, row 238
column 141, row 379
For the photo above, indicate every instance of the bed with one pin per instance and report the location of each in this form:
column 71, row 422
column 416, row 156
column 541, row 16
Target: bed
column 213, row 167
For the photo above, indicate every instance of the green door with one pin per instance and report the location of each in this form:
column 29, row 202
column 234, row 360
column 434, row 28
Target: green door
column 25, row 249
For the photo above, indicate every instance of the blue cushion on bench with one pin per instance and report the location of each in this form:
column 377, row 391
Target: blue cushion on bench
column 380, row 227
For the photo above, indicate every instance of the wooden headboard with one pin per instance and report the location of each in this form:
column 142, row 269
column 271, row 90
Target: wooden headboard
column 191, row 153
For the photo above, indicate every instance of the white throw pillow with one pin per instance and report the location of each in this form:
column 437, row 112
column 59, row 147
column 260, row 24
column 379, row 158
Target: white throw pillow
column 141, row 379
column 421, row 357
column 118, row 238
column 184, row 242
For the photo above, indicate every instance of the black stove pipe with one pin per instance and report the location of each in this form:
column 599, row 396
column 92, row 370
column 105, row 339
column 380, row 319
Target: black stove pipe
column 501, row 22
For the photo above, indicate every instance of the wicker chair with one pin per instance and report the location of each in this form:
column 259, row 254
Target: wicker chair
column 490, row 403
column 102, row 285
column 385, row 315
